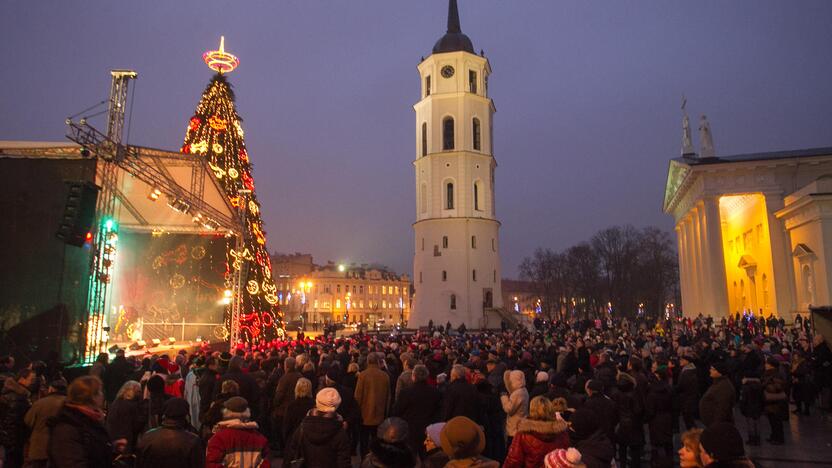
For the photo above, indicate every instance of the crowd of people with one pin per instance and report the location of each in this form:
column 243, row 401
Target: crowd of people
column 585, row 393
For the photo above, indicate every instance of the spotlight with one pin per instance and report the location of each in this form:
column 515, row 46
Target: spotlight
column 154, row 194
column 179, row 205
column 85, row 152
column 171, row 340
column 211, row 224
column 141, row 343
column 199, row 339
column 156, row 342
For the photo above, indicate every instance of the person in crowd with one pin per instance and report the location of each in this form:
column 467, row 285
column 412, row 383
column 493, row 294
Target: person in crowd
column 463, row 441
column 391, row 447
column 434, row 457
column 563, row 458
column 348, row 409
column 803, row 389
column 687, row 389
column 298, row 408
column 214, row 415
column 126, row 418
column 597, row 451
column 537, row 435
column 191, row 391
column 751, row 404
column 372, row 392
column 461, row 397
column 776, row 400
column 717, row 404
column 597, row 401
column 246, row 383
column 236, row 440
column 77, row 436
column 351, row 378
column 118, row 372
column 405, row 378
column 419, row 405
column 690, row 454
column 541, row 385
column 722, row 447
column 36, row 420
column 515, row 401
column 284, row 394
column 629, row 434
column 153, row 405
column 15, row 401
column 321, row 439
column 174, row 444
column 99, row 367
column 208, row 383
column 659, row 415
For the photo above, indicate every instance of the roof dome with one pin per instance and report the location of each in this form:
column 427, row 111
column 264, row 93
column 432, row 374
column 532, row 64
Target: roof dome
column 454, row 40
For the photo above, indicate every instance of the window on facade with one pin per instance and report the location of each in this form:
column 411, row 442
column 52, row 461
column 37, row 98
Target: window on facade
column 338, row 303
column 315, row 304
column 476, row 134
column 473, row 242
column 472, row 81
column 453, row 301
column 493, row 245
column 423, row 244
column 448, row 133
column 449, row 196
column 384, row 289
column 444, row 275
column 427, row 85
column 474, row 275
column 444, row 242
column 495, row 276
column 353, row 289
column 477, row 196
column 423, row 199
column 338, row 288
column 420, row 277
column 424, row 139
column 361, row 289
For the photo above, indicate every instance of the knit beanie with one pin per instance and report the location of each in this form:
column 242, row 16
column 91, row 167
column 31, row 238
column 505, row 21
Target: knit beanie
column 541, row 377
column 563, row 458
column 433, row 432
column 327, row 400
column 721, row 367
column 462, row 438
column 175, row 408
column 722, row 441
column 236, row 408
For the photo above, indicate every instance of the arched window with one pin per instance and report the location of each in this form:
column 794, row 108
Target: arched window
column 424, row 139
column 448, row 133
column 476, row 133
column 444, row 275
column 449, row 196
column 453, row 301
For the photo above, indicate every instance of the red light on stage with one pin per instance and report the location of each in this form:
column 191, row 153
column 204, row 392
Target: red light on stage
column 89, row 237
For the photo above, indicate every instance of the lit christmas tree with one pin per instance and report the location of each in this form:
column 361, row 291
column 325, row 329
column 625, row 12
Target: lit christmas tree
column 215, row 133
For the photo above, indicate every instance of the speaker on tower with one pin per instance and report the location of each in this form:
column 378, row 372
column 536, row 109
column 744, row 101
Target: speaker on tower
column 79, row 213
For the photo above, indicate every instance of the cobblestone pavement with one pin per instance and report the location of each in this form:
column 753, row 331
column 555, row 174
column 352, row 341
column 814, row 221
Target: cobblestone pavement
column 808, row 442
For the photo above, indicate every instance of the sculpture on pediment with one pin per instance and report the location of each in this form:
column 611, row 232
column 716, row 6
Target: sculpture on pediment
column 706, row 139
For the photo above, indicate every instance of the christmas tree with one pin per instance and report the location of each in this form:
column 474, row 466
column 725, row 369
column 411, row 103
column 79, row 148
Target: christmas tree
column 215, row 133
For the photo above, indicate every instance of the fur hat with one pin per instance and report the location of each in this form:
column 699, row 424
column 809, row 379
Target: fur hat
column 327, row 400
column 722, row 441
column 236, row 408
column 563, row 458
column 462, row 438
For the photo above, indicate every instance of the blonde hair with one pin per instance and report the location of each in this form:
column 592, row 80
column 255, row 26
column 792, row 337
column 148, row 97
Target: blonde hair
column 230, row 386
column 540, row 409
column 303, row 388
column 690, row 439
column 353, row 367
column 131, row 390
column 560, row 405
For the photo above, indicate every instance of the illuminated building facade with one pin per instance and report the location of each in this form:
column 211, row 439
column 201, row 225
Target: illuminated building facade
column 456, row 265
column 336, row 293
column 754, row 231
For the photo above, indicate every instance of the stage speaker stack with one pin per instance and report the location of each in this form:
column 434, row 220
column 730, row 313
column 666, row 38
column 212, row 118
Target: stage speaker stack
column 79, row 213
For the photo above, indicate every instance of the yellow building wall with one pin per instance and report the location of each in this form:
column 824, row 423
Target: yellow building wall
column 746, row 241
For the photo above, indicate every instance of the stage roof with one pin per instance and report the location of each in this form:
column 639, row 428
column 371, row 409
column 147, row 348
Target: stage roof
column 135, row 210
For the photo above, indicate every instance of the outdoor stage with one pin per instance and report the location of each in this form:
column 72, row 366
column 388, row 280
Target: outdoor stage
column 169, row 274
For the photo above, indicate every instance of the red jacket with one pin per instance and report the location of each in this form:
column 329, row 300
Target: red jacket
column 238, row 444
column 533, row 440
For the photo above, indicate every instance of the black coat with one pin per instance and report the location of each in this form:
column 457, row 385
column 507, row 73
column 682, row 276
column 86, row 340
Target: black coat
column 78, row 441
column 14, row 403
column 461, row 399
column 687, row 391
column 125, row 420
column 248, row 388
column 604, row 405
column 751, row 398
column 717, row 404
column 321, row 441
column 117, row 373
column 419, row 405
column 597, row 451
column 209, row 388
column 630, row 430
column 170, row 446
column 659, row 412
column 294, row 415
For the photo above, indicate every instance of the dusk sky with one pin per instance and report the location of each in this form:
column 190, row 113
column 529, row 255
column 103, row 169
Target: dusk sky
column 587, row 96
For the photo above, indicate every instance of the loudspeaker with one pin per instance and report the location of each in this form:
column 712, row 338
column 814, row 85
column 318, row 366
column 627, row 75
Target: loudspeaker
column 79, row 213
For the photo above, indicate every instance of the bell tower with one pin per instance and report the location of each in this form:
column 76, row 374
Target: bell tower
column 457, row 258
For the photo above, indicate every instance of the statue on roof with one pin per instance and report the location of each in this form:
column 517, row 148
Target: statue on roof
column 706, row 139
column 687, row 140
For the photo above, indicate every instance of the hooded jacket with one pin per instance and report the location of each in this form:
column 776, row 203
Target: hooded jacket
column 14, row 403
column 77, row 440
column 516, row 403
column 533, row 440
column 237, row 443
column 170, row 445
column 320, row 441
column 36, row 419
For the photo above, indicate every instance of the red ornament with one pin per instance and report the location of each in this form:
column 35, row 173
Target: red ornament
column 248, row 181
column 243, row 155
column 186, row 149
column 195, row 121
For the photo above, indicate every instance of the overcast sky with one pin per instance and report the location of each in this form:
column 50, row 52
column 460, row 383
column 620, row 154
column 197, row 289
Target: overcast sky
column 587, row 96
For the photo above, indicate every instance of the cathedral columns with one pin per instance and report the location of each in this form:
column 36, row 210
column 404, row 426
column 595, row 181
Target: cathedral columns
column 781, row 256
column 717, row 279
column 684, row 275
column 699, row 267
column 694, row 303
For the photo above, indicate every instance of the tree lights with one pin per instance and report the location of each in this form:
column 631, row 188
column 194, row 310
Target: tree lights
column 215, row 133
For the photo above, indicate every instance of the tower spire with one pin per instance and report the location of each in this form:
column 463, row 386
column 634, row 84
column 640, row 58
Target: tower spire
column 453, row 17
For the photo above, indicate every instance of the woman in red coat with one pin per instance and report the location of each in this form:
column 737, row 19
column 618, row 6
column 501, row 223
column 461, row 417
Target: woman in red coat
column 536, row 436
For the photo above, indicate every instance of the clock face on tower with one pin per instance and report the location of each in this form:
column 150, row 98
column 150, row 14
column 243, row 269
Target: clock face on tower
column 447, row 71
